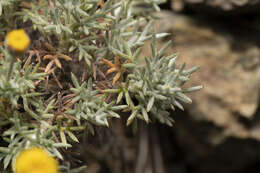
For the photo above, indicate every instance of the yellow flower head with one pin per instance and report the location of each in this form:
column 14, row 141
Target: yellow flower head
column 35, row 160
column 18, row 40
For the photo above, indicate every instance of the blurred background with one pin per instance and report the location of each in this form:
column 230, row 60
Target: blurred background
column 220, row 131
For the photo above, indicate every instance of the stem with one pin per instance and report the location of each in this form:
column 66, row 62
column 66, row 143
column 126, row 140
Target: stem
column 143, row 149
column 76, row 128
column 10, row 68
column 157, row 159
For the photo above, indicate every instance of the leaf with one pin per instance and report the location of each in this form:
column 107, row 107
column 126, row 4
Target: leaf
column 192, row 70
column 74, row 81
column 32, row 94
column 172, row 61
column 119, row 97
column 47, row 115
column 72, row 136
column 127, row 49
column 7, row 160
column 183, row 98
column 5, row 150
column 192, row 89
column 72, row 48
column 145, row 115
column 58, row 29
column 159, row 96
column 128, row 99
column 81, row 54
column 164, row 48
column 57, row 153
column 120, row 107
column 118, row 52
column 87, row 60
column 113, row 114
column 63, row 137
column 129, row 65
column 61, row 145
column 137, row 53
column 111, row 91
column 132, row 117
column 150, row 104
column 176, row 103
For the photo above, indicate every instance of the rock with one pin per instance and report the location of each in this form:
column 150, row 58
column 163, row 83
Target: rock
column 229, row 71
column 216, row 6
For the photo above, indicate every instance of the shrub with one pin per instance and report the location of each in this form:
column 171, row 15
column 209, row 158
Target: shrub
column 44, row 106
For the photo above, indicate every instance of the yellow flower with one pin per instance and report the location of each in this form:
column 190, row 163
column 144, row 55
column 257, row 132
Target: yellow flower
column 35, row 160
column 18, row 40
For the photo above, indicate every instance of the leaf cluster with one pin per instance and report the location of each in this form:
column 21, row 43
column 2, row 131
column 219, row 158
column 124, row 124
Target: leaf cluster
column 158, row 87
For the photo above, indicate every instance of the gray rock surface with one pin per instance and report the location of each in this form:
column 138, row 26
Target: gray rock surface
column 241, row 6
column 229, row 59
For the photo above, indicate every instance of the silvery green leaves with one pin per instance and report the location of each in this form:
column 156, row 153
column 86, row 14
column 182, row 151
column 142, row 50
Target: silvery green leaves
column 157, row 86
column 18, row 85
column 23, row 135
column 20, row 105
column 78, row 25
column 92, row 32
column 90, row 107
column 128, row 33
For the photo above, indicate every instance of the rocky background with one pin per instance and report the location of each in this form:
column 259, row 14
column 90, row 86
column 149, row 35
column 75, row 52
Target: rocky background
column 216, row 7
column 220, row 131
